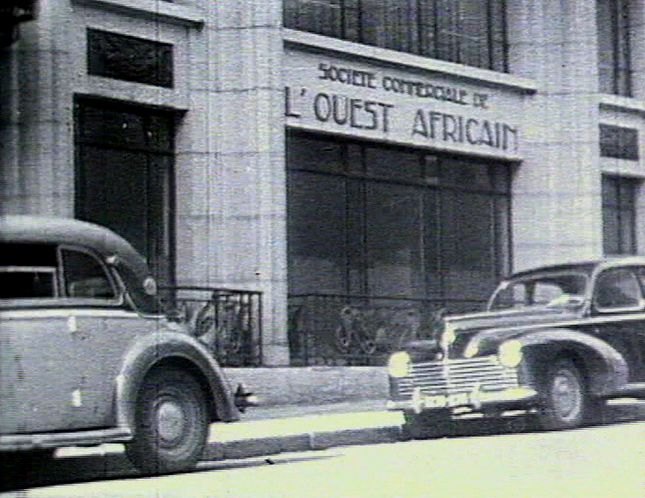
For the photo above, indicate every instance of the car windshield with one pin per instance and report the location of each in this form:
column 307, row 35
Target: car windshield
column 558, row 290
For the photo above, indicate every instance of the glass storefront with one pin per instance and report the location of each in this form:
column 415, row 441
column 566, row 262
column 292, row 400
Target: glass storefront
column 366, row 220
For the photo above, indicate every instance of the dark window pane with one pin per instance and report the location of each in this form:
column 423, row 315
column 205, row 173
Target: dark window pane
column 128, row 58
column 355, row 162
column 617, row 289
column 428, row 25
column 467, row 245
column 27, row 271
column 314, row 154
column 618, row 142
column 27, row 283
column 316, row 16
column 474, row 34
column 392, row 163
column 627, row 242
column 471, row 32
column 623, row 63
column 498, row 57
column 316, row 231
column 160, row 132
column 355, row 238
column 84, row 277
column 114, row 184
column 432, row 244
column 610, row 231
column 467, row 175
column 386, row 226
column 614, row 58
column 431, row 170
column 394, row 241
column 618, row 215
column 609, row 191
column 124, row 174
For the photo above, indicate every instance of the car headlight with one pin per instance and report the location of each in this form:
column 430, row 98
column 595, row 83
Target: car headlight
column 510, row 353
column 399, row 364
column 472, row 349
column 448, row 336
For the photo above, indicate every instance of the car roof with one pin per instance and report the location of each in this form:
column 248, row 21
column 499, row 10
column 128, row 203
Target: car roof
column 51, row 230
column 68, row 231
column 587, row 267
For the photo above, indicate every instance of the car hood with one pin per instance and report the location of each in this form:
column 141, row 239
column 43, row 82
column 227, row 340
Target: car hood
column 489, row 329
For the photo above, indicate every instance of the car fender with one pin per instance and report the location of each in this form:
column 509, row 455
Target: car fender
column 167, row 347
column 606, row 369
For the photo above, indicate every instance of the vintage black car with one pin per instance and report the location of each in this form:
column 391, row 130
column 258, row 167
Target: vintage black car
column 554, row 342
column 87, row 355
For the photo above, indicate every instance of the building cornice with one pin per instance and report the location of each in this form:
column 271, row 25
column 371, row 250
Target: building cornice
column 622, row 104
column 153, row 10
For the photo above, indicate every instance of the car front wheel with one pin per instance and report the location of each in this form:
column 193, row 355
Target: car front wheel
column 171, row 423
column 564, row 400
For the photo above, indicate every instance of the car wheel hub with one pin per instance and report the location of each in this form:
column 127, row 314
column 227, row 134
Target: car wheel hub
column 170, row 421
column 566, row 395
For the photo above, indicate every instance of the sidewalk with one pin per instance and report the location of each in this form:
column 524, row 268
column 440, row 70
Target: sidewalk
column 271, row 430
column 282, row 428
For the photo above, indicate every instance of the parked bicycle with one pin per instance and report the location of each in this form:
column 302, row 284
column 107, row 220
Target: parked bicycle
column 353, row 329
column 221, row 326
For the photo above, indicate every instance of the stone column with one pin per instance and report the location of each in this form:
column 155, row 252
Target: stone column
column 232, row 232
column 556, row 189
column 36, row 138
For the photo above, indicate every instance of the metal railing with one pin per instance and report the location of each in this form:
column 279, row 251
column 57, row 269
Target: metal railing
column 227, row 321
column 363, row 330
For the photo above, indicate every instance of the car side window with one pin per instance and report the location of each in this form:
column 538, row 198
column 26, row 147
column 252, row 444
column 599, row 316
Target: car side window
column 27, row 271
column 617, row 289
column 85, row 277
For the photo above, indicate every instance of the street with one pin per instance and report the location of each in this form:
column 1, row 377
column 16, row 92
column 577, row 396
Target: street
column 601, row 461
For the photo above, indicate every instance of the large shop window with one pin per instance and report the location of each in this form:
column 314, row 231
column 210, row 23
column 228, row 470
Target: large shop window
column 471, row 32
column 124, row 180
column 619, row 215
column 397, row 224
column 614, row 58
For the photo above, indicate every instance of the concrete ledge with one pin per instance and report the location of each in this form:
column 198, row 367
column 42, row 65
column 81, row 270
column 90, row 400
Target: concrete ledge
column 311, row 385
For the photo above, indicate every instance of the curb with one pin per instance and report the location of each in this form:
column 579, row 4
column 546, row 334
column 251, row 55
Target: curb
column 272, row 445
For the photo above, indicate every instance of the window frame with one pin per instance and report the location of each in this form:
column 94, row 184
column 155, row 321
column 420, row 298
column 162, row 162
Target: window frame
column 618, row 309
column 162, row 262
column 116, row 301
column 433, row 246
column 60, row 297
column 620, row 66
column 424, row 37
column 623, row 211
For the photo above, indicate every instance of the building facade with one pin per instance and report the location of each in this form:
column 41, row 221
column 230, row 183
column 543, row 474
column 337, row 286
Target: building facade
column 357, row 161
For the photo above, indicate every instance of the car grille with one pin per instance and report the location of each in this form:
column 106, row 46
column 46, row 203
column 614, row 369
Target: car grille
column 454, row 376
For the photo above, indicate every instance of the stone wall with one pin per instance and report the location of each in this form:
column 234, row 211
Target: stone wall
column 312, row 385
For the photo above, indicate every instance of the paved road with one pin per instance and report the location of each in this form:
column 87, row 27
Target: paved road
column 604, row 461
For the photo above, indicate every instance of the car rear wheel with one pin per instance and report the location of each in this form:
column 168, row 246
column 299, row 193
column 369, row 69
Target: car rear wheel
column 564, row 400
column 427, row 425
column 171, row 423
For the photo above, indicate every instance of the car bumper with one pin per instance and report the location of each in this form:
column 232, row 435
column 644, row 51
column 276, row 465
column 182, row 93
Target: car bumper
column 475, row 400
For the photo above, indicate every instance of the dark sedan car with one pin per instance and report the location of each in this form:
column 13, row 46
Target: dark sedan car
column 555, row 342
column 87, row 355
